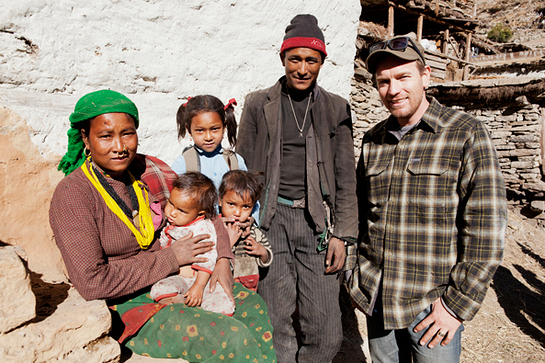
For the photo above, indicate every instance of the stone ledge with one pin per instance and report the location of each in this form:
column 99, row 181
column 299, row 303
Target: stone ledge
column 71, row 329
column 16, row 298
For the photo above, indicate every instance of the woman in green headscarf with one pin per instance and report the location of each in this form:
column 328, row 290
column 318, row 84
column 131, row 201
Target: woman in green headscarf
column 105, row 214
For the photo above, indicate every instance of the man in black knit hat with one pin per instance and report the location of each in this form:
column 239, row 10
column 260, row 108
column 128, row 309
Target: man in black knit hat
column 300, row 137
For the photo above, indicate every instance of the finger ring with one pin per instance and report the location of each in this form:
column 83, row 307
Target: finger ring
column 440, row 333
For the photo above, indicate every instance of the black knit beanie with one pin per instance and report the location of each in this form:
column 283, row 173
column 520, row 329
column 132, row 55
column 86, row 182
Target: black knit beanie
column 303, row 31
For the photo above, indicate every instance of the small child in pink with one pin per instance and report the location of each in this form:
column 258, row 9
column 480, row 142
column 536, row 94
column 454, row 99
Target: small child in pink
column 191, row 205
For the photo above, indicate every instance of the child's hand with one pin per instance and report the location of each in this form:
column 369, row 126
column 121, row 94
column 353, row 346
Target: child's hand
column 253, row 248
column 246, row 226
column 178, row 299
column 193, row 296
column 233, row 231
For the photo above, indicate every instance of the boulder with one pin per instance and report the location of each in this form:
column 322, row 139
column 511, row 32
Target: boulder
column 73, row 330
column 18, row 303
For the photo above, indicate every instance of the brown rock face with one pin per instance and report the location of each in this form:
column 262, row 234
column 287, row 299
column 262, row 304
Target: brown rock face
column 27, row 181
column 16, row 297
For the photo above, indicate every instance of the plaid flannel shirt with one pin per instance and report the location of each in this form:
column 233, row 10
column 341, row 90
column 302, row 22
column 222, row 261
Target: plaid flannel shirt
column 432, row 217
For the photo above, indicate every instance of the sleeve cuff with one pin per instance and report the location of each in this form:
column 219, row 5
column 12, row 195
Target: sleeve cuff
column 348, row 241
column 269, row 260
column 461, row 305
column 448, row 309
column 171, row 258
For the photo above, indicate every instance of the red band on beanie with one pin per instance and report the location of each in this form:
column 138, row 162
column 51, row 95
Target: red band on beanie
column 298, row 42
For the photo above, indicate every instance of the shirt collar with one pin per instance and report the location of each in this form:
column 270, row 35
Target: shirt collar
column 200, row 218
column 218, row 150
column 315, row 88
column 432, row 117
column 430, row 121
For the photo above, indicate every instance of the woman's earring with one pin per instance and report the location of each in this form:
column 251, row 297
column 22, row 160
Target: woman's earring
column 87, row 152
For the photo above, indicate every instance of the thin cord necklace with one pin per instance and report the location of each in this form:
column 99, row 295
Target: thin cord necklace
column 300, row 128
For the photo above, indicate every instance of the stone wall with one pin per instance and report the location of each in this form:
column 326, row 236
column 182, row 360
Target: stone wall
column 158, row 52
column 517, row 135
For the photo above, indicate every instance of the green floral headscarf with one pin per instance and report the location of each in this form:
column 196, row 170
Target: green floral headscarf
column 90, row 106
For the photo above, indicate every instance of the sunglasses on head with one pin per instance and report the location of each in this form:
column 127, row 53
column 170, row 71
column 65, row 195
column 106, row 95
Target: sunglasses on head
column 399, row 43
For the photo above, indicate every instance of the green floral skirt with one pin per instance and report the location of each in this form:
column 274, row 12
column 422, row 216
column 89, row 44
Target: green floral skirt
column 178, row 331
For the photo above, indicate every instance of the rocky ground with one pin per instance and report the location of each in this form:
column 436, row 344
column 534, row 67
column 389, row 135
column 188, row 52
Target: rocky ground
column 524, row 17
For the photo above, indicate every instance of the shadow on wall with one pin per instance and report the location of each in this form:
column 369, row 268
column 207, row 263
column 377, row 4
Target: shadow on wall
column 522, row 305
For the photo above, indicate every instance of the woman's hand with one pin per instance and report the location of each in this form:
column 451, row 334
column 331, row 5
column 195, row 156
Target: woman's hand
column 188, row 247
column 222, row 274
column 254, row 248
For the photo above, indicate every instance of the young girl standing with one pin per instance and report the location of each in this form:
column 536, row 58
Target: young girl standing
column 238, row 193
column 206, row 118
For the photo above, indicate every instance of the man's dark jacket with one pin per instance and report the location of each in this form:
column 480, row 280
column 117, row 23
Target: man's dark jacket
column 329, row 151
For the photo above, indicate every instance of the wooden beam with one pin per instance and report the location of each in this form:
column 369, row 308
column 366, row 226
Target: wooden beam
column 390, row 21
column 446, row 40
column 427, row 17
column 450, row 57
column 542, row 141
column 468, row 46
column 419, row 28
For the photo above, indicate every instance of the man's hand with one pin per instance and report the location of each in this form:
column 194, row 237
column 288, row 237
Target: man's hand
column 442, row 326
column 222, row 274
column 336, row 254
column 188, row 247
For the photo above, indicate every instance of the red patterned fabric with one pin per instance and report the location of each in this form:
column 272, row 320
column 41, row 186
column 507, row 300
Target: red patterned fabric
column 249, row 282
column 136, row 317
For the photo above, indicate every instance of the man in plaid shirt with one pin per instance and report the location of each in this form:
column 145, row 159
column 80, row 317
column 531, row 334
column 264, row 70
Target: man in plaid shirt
column 432, row 215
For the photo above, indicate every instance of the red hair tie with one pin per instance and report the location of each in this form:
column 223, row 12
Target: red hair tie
column 232, row 102
column 185, row 104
